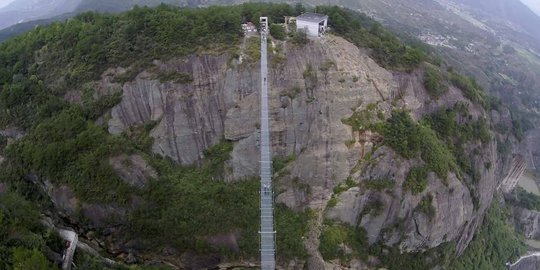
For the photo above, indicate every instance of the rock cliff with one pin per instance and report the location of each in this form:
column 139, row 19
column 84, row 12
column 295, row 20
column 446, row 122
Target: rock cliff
column 527, row 222
column 313, row 88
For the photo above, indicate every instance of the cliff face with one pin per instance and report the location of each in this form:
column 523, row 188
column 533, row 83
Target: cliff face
column 517, row 168
column 527, row 222
column 312, row 90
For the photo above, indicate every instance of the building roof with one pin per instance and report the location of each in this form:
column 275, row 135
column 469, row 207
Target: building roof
column 312, row 17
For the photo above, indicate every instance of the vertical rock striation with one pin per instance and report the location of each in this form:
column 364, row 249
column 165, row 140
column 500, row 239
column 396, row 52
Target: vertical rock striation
column 311, row 92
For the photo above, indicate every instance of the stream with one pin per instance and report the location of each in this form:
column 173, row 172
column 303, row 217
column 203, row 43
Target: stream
column 527, row 182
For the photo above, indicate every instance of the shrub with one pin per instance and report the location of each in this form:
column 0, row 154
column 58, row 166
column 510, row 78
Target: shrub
column 470, row 89
column 402, row 134
column 456, row 135
column 362, row 120
column 348, row 184
column 378, row 184
column 22, row 237
column 426, row 207
column 292, row 228
column 30, row 259
column 434, row 82
column 332, row 202
column 175, row 77
column 525, row 199
column 410, row 139
column 416, row 180
column 278, row 31
column 374, row 208
column 300, row 38
column 253, row 49
column 334, row 235
column 278, row 163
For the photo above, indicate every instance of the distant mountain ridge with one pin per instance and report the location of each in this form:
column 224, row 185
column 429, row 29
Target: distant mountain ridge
column 23, row 15
column 21, row 11
column 25, row 11
column 513, row 11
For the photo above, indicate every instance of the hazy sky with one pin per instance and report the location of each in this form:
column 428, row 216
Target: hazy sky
column 533, row 4
column 5, row 2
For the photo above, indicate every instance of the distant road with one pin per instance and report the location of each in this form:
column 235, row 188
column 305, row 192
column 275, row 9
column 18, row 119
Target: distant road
column 517, row 266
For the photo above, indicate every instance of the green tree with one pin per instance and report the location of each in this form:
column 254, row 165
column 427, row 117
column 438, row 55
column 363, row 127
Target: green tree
column 278, row 31
column 300, row 38
column 24, row 259
column 434, row 82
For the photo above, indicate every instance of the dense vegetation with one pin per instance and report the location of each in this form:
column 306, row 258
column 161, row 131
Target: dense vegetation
column 525, row 199
column 23, row 239
column 457, row 129
column 411, row 139
column 470, row 88
column 335, row 236
column 434, row 82
column 439, row 140
column 82, row 48
column 494, row 244
column 416, row 180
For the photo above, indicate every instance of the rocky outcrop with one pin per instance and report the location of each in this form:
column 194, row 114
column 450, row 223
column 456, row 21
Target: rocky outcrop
column 312, row 91
column 533, row 149
column 70, row 208
column 133, row 169
column 12, row 133
column 527, row 222
column 518, row 166
column 191, row 116
column 455, row 216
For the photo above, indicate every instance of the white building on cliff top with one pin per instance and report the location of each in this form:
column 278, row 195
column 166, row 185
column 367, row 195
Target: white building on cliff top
column 313, row 24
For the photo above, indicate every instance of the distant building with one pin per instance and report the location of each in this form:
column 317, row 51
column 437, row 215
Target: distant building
column 249, row 27
column 313, row 24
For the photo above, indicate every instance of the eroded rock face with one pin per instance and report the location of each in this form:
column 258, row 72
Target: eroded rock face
column 191, row 116
column 517, row 168
column 312, row 91
column 133, row 169
column 12, row 134
column 533, row 149
column 527, row 222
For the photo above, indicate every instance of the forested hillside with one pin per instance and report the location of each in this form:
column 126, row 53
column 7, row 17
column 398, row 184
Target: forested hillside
column 177, row 210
